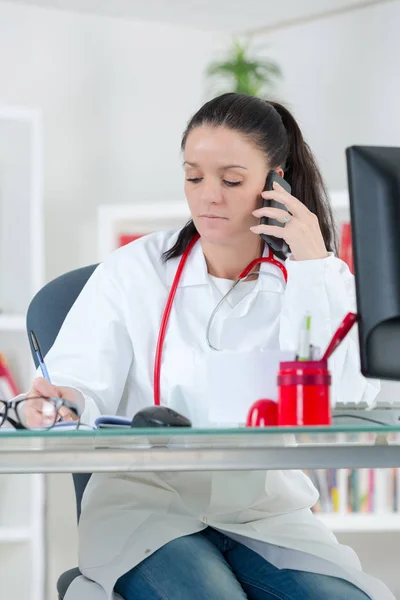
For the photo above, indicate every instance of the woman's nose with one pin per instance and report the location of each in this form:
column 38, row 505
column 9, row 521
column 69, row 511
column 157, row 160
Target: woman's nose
column 211, row 193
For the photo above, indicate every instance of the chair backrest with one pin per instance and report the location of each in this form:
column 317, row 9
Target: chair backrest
column 46, row 314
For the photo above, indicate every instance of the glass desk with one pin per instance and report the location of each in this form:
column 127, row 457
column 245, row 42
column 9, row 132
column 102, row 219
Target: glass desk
column 116, row 450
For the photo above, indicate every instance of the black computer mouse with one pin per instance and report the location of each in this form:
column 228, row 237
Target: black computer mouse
column 159, row 416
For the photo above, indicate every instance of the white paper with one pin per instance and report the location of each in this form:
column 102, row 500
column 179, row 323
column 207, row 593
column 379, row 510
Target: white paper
column 235, row 380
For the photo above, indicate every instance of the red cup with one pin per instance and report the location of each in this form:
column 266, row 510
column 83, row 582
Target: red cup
column 263, row 413
column 304, row 393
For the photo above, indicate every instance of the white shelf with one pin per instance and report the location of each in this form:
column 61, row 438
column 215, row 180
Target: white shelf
column 361, row 522
column 15, row 535
column 22, row 498
column 12, row 322
column 136, row 218
column 149, row 211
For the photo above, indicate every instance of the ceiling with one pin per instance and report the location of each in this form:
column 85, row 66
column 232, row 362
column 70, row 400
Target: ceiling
column 212, row 15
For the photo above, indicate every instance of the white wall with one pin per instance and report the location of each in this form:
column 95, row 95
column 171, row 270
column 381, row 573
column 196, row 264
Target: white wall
column 115, row 97
column 379, row 555
column 342, row 81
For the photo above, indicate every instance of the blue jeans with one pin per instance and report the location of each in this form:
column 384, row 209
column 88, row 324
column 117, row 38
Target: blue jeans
column 210, row 566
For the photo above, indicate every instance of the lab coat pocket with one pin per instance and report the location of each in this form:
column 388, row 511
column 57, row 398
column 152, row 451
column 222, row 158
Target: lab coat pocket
column 285, row 493
column 233, row 492
column 297, row 529
column 183, row 382
column 102, row 540
column 116, row 507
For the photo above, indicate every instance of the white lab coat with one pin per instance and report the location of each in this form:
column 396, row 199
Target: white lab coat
column 106, row 351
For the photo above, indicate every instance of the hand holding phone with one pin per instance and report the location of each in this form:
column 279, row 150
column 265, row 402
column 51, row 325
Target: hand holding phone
column 306, row 239
column 277, row 244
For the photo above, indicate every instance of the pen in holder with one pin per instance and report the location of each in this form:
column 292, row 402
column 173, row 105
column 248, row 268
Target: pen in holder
column 304, row 385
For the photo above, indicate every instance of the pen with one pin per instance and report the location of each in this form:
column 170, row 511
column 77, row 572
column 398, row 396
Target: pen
column 304, row 348
column 340, row 334
column 39, row 355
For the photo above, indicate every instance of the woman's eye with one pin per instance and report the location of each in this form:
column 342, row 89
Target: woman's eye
column 226, row 182
column 232, row 183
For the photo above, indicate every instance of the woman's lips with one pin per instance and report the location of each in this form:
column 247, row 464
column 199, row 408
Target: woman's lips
column 212, row 216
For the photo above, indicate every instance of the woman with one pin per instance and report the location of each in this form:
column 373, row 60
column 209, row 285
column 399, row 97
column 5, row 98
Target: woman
column 211, row 536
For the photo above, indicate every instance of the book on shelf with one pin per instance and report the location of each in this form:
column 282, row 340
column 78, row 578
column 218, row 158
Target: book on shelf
column 375, row 491
column 127, row 238
column 8, row 386
column 346, row 246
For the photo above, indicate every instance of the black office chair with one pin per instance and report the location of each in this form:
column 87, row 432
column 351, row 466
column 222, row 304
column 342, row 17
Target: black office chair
column 46, row 314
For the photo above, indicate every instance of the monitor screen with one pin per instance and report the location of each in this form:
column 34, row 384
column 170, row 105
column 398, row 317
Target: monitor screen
column 374, row 190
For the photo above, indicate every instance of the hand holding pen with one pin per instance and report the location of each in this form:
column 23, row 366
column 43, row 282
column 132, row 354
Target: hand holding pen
column 43, row 388
column 39, row 356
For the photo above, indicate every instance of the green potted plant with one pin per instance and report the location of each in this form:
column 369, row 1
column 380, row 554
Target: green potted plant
column 243, row 73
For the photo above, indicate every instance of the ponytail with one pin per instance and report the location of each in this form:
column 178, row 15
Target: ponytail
column 185, row 236
column 302, row 173
column 275, row 132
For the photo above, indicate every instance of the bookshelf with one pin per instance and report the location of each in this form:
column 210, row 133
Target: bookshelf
column 114, row 220
column 361, row 523
column 12, row 323
column 358, row 501
column 15, row 534
column 22, row 497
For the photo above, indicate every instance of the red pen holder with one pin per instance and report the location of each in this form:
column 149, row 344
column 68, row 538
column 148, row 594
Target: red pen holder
column 304, row 393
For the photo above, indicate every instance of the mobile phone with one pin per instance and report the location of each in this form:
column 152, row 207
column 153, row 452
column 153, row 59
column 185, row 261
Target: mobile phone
column 277, row 244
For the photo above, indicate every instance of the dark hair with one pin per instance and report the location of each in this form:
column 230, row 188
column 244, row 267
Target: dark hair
column 276, row 133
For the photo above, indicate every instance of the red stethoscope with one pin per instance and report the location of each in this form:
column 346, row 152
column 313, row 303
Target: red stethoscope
column 168, row 306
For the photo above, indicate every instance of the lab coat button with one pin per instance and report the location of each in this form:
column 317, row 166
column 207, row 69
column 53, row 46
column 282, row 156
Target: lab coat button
column 204, row 519
column 148, row 551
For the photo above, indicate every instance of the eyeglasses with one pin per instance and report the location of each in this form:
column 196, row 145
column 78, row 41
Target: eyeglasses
column 38, row 412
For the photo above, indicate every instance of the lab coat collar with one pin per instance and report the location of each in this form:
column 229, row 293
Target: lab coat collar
column 195, row 270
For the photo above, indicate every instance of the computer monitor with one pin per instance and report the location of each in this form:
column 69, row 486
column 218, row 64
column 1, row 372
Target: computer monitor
column 374, row 190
